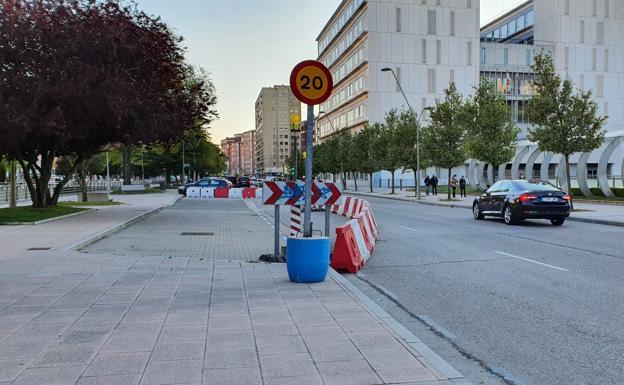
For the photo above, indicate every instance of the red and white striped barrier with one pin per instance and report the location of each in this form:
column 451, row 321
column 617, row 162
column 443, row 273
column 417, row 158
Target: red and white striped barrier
column 296, row 219
column 356, row 239
column 228, row 193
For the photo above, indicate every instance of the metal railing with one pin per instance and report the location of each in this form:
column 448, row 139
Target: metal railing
column 70, row 188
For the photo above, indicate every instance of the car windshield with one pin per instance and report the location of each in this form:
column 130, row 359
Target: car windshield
column 535, row 186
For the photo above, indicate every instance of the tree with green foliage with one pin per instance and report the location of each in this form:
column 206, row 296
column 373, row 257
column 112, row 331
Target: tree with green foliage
column 345, row 157
column 362, row 152
column 565, row 120
column 491, row 134
column 390, row 145
column 407, row 132
column 444, row 139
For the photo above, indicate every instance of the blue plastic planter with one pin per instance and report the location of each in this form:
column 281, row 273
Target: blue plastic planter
column 307, row 259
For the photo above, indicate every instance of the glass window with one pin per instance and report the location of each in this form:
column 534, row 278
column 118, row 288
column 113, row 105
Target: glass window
column 534, row 186
column 528, row 57
column 495, row 187
column 505, row 186
column 529, row 18
column 496, row 34
column 512, row 27
column 506, row 56
column 504, row 32
column 482, row 55
column 431, row 25
column 521, row 22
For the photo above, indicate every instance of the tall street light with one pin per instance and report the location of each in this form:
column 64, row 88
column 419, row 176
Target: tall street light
column 417, row 174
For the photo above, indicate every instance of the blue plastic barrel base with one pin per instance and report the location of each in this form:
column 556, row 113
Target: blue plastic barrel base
column 307, row 259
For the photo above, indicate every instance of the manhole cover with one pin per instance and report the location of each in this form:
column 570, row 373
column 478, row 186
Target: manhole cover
column 196, row 234
column 39, row 248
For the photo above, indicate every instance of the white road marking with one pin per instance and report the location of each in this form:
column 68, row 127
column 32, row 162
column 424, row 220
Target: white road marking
column 432, row 213
column 530, row 260
column 409, row 228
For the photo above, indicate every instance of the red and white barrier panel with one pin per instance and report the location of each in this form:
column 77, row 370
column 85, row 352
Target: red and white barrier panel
column 296, row 220
column 356, row 239
column 229, row 193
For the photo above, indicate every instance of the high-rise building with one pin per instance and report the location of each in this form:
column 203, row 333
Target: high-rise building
column 240, row 153
column 274, row 107
column 430, row 43
column 426, row 43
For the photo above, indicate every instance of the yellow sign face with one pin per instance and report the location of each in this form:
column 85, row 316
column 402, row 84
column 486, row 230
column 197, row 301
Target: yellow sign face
column 295, row 122
column 311, row 82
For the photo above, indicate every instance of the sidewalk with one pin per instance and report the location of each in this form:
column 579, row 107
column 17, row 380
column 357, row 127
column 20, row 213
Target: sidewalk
column 604, row 214
column 16, row 240
column 83, row 319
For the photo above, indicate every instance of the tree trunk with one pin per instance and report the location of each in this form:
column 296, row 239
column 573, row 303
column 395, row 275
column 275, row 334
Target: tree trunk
column 355, row 180
column 392, row 188
column 126, row 151
column 334, row 177
column 448, row 189
column 569, row 181
column 38, row 184
column 53, row 199
column 12, row 185
column 344, row 180
column 82, row 181
column 370, row 179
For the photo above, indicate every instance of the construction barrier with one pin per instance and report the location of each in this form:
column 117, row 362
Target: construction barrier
column 230, row 193
column 296, row 220
column 356, row 239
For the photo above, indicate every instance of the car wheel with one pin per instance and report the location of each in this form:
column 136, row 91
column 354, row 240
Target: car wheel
column 476, row 211
column 508, row 215
column 557, row 222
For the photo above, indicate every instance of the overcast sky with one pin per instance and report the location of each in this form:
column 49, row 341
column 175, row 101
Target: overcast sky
column 249, row 44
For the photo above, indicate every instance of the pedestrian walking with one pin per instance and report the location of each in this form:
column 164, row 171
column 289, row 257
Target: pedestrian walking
column 462, row 187
column 453, row 184
column 434, row 185
column 427, row 184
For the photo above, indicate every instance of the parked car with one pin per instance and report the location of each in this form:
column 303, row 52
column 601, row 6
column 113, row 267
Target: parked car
column 256, row 182
column 516, row 200
column 207, row 182
column 244, row 181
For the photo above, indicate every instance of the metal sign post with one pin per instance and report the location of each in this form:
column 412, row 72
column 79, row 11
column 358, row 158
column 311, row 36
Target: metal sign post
column 276, row 246
column 307, row 211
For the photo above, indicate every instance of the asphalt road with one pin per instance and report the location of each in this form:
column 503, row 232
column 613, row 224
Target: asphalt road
column 533, row 303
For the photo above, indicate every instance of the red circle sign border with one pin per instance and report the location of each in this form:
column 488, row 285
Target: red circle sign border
column 293, row 82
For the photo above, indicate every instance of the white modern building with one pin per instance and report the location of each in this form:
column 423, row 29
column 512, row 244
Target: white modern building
column 429, row 43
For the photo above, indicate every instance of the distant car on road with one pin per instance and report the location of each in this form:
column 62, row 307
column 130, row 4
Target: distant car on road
column 515, row 200
column 207, row 182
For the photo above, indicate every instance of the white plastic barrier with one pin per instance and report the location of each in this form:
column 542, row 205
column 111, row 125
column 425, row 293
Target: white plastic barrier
column 235, row 193
column 193, row 192
column 207, row 192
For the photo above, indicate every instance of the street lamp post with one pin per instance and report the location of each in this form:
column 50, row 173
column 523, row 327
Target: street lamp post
column 417, row 173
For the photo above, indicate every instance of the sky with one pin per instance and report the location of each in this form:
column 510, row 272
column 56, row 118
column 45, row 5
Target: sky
column 248, row 44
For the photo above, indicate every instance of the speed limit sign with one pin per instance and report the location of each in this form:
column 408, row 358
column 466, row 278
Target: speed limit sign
column 311, row 82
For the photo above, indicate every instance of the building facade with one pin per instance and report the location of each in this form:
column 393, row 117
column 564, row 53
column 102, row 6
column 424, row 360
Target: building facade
column 273, row 138
column 239, row 151
column 430, row 43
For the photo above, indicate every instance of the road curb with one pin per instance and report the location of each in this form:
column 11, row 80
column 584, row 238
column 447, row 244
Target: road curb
column 86, row 242
column 47, row 220
column 454, row 206
column 409, row 339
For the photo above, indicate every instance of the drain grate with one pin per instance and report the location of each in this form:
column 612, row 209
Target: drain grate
column 39, row 248
column 196, row 234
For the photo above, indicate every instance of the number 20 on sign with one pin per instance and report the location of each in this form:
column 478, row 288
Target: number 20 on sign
column 311, row 82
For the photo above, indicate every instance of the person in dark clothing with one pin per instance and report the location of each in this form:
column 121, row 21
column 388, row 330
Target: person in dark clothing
column 462, row 186
column 427, row 184
column 434, row 185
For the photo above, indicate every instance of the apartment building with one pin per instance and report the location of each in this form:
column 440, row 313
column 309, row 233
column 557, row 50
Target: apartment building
column 427, row 44
column 430, row 43
column 273, row 139
column 239, row 151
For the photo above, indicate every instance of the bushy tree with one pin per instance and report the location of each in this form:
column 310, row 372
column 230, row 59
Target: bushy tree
column 565, row 120
column 491, row 134
column 390, row 144
column 79, row 75
column 362, row 152
column 444, row 139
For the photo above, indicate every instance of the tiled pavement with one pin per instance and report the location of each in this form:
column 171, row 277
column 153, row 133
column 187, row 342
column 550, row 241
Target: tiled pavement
column 98, row 319
column 211, row 229
column 78, row 318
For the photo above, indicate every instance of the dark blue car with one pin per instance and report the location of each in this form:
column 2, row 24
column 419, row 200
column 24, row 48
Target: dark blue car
column 206, row 182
